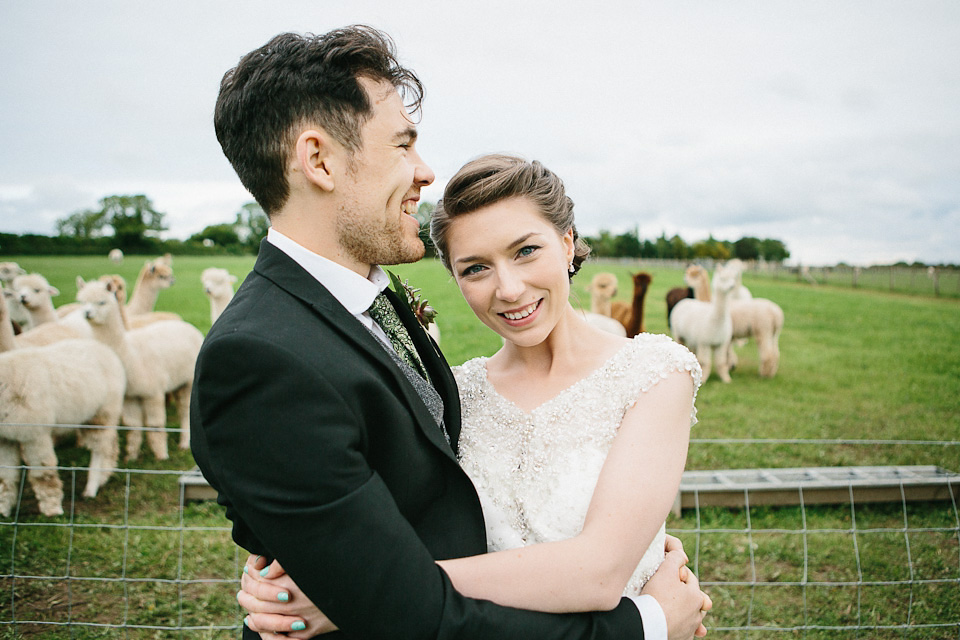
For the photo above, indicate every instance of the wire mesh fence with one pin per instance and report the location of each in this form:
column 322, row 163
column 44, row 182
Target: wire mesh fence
column 143, row 560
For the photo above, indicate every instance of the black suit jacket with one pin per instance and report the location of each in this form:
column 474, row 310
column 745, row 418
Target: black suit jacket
column 326, row 458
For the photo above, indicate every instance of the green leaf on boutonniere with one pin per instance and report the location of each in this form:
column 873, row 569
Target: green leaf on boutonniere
column 419, row 306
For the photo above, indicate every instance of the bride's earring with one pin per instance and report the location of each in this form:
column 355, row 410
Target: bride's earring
column 570, row 267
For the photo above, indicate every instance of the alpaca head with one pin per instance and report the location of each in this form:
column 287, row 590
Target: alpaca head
column 217, row 283
column 34, row 291
column 159, row 272
column 724, row 280
column 99, row 300
column 735, row 267
column 603, row 285
column 694, row 275
column 117, row 284
column 641, row 281
column 9, row 271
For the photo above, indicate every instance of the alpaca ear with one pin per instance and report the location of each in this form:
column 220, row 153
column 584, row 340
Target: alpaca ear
column 80, row 283
column 53, row 291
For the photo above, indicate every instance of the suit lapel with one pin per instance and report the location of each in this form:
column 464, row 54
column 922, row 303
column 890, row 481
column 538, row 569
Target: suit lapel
column 283, row 271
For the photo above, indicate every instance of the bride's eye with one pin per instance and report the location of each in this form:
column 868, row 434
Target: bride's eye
column 527, row 251
column 472, row 270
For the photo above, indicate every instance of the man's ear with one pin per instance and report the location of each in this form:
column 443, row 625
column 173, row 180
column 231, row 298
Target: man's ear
column 318, row 156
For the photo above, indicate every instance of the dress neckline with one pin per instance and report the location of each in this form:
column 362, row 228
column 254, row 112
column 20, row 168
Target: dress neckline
column 543, row 405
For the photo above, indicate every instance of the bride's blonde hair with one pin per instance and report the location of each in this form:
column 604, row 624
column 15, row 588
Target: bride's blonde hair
column 495, row 177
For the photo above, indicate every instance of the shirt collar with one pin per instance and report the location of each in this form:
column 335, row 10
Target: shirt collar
column 352, row 290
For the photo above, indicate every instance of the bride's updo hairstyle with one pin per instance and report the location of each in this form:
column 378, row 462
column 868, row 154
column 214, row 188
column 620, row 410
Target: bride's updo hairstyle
column 495, row 177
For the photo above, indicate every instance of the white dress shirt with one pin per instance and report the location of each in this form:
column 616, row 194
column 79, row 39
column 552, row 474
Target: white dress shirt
column 356, row 294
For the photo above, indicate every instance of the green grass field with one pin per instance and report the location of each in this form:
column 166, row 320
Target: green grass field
column 856, row 365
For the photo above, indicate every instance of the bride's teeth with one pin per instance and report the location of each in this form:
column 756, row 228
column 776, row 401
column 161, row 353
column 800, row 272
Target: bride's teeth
column 521, row 314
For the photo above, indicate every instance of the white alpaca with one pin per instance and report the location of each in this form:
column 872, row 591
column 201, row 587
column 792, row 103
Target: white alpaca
column 36, row 295
column 706, row 327
column 70, row 382
column 16, row 312
column 762, row 320
column 218, row 287
column 158, row 358
column 604, row 323
column 115, row 256
column 155, row 276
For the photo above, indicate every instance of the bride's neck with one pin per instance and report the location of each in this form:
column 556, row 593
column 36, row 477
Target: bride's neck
column 571, row 350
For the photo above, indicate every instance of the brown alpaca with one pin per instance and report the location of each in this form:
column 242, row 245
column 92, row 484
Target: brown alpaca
column 631, row 316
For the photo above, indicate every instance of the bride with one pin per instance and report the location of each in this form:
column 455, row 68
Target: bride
column 574, row 438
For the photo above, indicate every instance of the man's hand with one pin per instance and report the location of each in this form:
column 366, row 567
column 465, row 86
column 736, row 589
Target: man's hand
column 678, row 592
column 276, row 605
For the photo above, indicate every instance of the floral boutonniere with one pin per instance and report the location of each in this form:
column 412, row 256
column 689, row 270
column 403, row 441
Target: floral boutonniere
column 419, row 306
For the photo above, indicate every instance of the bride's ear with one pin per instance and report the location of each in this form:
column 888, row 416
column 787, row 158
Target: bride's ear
column 320, row 158
column 569, row 244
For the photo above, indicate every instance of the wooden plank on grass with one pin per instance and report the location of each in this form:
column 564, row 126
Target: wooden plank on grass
column 816, row 485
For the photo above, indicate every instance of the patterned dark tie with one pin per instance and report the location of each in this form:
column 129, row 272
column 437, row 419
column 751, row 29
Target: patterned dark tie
column 386, row 316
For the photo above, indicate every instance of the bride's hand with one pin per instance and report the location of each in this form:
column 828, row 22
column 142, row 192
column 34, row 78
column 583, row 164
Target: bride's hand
column 276, row 605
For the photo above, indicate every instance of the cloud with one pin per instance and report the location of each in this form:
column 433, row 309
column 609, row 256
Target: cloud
column 832, row 127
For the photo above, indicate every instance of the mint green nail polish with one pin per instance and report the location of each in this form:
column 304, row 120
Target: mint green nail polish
column 246, row 569
column 298, row 626
column 283, row 596
column 246, row 621
column 264, row 571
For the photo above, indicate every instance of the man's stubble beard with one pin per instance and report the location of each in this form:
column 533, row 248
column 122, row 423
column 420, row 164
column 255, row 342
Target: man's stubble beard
column 386, row 245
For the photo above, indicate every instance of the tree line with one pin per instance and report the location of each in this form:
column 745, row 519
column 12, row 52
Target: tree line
column 629, row 245
column 132, row 224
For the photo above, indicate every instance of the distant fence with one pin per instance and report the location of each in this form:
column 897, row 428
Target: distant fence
column 141, row 560
column 932, row 281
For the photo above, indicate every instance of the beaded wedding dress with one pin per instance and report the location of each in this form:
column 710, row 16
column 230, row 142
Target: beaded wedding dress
column 535, row 472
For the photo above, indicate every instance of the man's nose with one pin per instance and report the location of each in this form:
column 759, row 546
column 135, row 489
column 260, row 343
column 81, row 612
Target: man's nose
column 423, row 175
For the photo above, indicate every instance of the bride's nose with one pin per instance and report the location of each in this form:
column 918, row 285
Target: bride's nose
column 509, row 285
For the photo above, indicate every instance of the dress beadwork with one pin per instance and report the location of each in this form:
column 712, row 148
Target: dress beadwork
column 535, row 472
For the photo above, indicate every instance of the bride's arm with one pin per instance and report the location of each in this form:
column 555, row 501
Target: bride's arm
column 635, row 491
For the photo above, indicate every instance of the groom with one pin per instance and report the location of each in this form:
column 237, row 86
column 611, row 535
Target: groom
column 331, row 436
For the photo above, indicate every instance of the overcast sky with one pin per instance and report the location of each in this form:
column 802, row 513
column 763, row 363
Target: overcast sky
column 831, row 125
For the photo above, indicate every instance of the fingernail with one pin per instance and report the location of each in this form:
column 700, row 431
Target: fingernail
column 246, row 569
column 238, row 594
column 298, row 626
column 246, row 621
column 283, row 596
column 264, row 571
